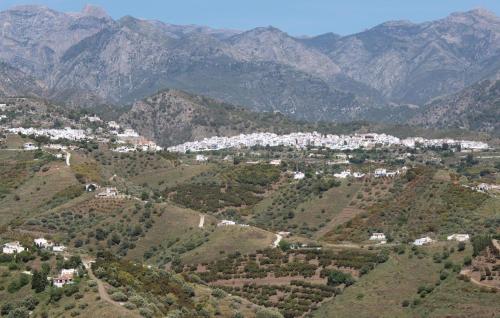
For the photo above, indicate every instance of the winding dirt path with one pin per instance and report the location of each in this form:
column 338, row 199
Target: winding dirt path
column 102, row 290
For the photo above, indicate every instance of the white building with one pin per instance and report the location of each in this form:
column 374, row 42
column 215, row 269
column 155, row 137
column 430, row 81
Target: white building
column 42, row 243
column 275, row 162
column 377, row 237
column 30, row 146
column 298, row 175
column 423, row 241
column 93, row 119
column 201, row 158
column 380, row 173
column 344, row 174
column 226, row 223
column 12, row 248
column 66, row 277
column 107, row 193
column 458, row 237
column 59, row 248
column 113, row 125
column 358, row 175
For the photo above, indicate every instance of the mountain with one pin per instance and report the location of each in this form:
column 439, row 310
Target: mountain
column 15, row 82
column 88, row 58
column 474, row 108
column 413, row 63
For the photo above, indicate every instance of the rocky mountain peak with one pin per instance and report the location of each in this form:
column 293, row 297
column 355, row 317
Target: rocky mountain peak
column 474, row 16
column 94, row 11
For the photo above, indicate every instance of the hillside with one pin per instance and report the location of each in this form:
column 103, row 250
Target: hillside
column 474, row 108
column 209, row 238
column 172, row 117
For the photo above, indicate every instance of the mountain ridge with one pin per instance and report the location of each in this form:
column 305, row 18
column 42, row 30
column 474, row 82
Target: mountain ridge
column 88, row 56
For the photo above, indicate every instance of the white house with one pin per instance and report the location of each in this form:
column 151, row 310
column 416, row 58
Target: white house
column 59, row 248
column 30, row 146
column 377, row 237
column 66, row 277
column 201, row 158
column 108, row 193
column 42, row 242
column 226, row 223
column 12, row 248
column 458, row 237
column 275, row 162
column 299, row 175
column 423, row 241
column 358, row 175
column 344, row 174
column 113, row 125
column 380, row 173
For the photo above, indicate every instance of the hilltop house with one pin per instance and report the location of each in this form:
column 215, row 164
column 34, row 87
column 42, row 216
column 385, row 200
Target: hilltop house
column 108, row 193
column 458, row 237
column 298, row 175
column 30, row 146
column 226, row 223
column 275, row 162
column 380, row 173
column 344, row 174
column 12, row 248
column 377, row 237
column 65, row 277
column 42, row 243
column 423, row 241
column 59, row 248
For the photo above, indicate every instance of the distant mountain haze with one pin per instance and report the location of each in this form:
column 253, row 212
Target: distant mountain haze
column 77, row 58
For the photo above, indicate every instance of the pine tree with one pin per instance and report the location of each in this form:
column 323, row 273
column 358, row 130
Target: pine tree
column 39, row 281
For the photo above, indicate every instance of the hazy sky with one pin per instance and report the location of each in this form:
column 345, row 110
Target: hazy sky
column 297, row 17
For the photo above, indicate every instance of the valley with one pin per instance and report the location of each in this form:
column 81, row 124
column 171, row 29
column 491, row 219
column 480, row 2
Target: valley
column 150, row 169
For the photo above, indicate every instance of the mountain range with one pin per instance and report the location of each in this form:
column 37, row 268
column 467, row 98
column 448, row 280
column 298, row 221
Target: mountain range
column 393, row 71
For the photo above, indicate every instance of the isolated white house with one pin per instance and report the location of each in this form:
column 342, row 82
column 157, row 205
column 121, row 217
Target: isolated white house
column 201, row 158
column 380, row 173
column 12, row 248
column 358, row 175
column 30, row 146
column 423, row 241
column 108, row 193
column 299, row 175
column 275, row 162
column 344, row 174
column 226, row 223
column 59, row 248
column 458, row 237
column 377, row 237
column 66, row 277
column 42, row 242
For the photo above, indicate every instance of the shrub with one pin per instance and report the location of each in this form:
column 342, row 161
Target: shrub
column 461, row 246
column 268, row 313
column 336, row 278
column 30, row 303
column 70, row 290
column 146, row 312
column 19, row 312
column 218, row 293
column 405, row 303
column 467, row 260
column 119, row 296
